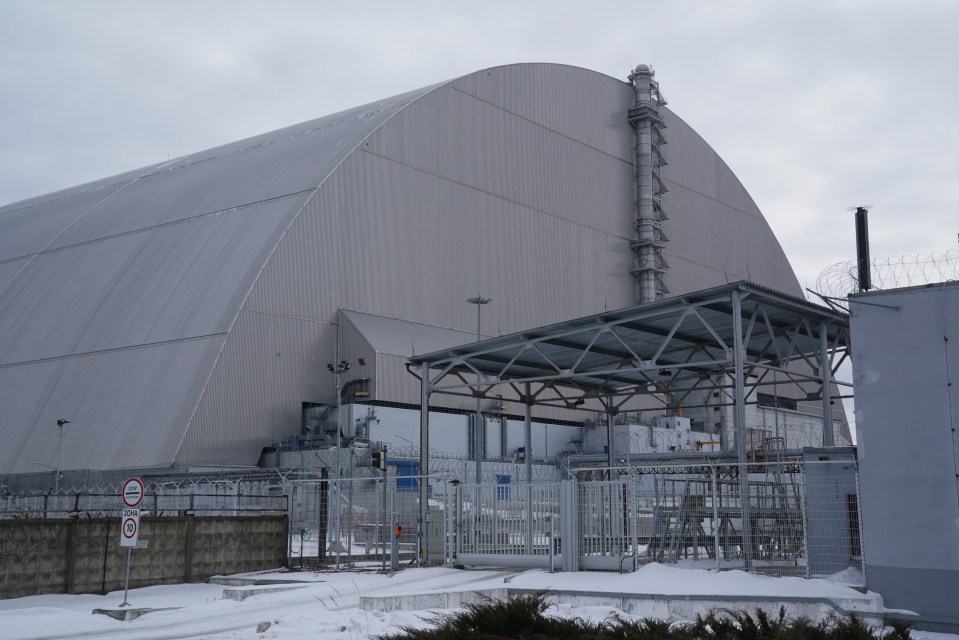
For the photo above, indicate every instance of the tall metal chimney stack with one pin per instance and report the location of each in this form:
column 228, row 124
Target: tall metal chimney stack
column 862, row 248
column 649, row 239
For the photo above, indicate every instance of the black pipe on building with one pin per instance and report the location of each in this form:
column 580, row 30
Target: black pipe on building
column 862, row 248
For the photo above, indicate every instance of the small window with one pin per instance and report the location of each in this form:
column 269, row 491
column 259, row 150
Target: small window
column 356, row 390
column 769, row 400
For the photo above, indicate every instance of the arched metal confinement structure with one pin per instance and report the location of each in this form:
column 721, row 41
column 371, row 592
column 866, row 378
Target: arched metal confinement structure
column 732, row 340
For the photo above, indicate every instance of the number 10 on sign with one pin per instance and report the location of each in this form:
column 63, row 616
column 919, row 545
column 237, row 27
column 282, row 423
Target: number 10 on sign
column 130, row 528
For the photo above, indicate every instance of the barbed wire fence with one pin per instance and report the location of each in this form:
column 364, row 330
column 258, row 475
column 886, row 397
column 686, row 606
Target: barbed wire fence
column 199, row 495
column 841, row 279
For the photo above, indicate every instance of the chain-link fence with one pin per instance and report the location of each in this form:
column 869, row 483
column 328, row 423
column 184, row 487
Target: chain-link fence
column 368, row 521
column 799, row 518
column 361, row 516
column 833, row 521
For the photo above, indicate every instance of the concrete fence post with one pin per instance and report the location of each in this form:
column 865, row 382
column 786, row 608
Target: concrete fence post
column 70, row 555
column 188, row 548
column 106, row 555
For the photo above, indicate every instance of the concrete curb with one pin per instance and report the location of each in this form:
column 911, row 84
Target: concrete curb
column 242, row 593
column 642, row 604
column 434, row 600
column 257, row 582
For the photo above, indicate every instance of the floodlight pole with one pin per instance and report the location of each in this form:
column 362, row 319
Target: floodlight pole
column 337, row 370
column 56, row 472
column 479, row 442
column 386, row 525
column 424, row 461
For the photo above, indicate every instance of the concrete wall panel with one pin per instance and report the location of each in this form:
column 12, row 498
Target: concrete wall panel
column 84, row 555
column 905, row 364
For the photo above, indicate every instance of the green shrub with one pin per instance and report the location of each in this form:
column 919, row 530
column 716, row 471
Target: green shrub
column 522, row 617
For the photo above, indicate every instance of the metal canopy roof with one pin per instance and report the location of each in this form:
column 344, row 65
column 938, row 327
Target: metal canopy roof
column 668, row 345
column 728, row 338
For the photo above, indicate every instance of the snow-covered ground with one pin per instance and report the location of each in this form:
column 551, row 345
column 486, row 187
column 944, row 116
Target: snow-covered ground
column 328, row 605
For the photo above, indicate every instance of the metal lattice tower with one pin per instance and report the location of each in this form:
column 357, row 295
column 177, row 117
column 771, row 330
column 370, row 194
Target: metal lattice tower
column 649, row 240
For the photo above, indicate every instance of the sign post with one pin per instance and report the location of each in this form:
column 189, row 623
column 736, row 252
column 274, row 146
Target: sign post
column 132, row 494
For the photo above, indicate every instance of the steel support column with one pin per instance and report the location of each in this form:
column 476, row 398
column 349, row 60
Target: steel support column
column 528, row 433
column 479, row 424
column 424, row 458
column 610, row 449
column 825, row 374
column 567, row 528
column 479, row 440
column 739, row 420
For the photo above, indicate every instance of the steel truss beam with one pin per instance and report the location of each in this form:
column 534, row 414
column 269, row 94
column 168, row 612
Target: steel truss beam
column 626, row 372
column 675, row 346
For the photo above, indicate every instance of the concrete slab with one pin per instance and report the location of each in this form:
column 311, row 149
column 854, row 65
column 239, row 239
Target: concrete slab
column 242, row 593
column 231, row 581
column 127, row 615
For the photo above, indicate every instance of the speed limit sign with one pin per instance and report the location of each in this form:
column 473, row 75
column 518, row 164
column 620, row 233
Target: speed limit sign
column 129, row 527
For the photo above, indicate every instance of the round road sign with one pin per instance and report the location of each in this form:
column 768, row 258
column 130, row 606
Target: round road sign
column 129, row 528
column 132, row 493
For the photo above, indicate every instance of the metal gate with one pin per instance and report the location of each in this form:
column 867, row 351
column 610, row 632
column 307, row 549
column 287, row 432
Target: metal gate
column 508, row 525
column 802, row 519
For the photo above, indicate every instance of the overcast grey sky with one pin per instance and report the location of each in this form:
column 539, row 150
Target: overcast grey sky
column 816, row 106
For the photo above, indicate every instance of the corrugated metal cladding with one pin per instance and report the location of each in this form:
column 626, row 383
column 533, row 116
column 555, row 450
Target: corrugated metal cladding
column 392, row 384
column 149, row 264
column 128, row 407
column 169, row 283
column 492, row 150
column 356, row 348
column 717, row 233
column 391, row 240
column 9, row 270
column 104, row 187
column 513, row 182
column 296, row 160
column 401, row 337
column 30, row 229
column 385, row 344
column 271, row 364
column 578, row 103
